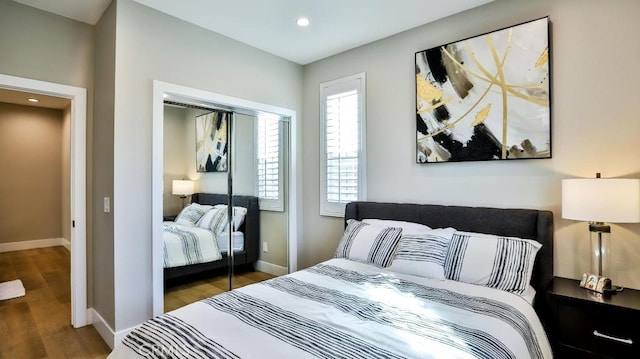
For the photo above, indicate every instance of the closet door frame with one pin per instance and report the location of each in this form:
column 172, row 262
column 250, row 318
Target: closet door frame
column 162, row 89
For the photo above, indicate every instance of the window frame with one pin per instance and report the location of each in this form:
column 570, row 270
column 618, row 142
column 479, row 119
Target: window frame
column 354, row 82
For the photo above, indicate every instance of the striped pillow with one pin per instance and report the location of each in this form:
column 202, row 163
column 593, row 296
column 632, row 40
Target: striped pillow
column 504, row 263
column 216, row 220
column 370, row 244
column 191, row 214
column 423, row 254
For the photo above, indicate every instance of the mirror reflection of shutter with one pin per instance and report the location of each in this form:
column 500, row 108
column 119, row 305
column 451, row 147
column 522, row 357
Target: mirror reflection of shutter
column 268, row 162
column 342, row 143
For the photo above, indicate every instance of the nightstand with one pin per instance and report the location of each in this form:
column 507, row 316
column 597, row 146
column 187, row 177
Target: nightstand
column 585, row 324
column 169, row 218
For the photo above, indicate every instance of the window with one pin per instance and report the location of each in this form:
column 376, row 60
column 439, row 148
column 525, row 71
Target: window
column 343, row 144
column 269, row 164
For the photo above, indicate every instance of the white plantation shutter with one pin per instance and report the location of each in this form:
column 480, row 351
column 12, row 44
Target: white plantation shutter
column 342, row 147
column 343, row 162
column 269, row 181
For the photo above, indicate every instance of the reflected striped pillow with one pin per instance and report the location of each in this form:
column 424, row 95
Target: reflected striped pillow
column 219, row 220
column 191, row 214
column 370, row 244
column 504, row 263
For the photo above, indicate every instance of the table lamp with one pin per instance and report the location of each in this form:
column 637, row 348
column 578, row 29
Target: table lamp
column 182, row 188
column 599, row 200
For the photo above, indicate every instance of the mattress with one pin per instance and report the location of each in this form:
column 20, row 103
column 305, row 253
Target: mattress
column 346, row 309
column 237, row 240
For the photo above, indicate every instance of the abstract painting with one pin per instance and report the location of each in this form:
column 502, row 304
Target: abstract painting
column 486, row 97
column 211, row 142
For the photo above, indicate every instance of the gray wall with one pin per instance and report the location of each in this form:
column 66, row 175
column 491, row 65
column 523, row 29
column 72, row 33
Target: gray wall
column 31, row 183
column 594, row 125
column 177, row 143
column 103, row 268
column 153, row 46
column 38, row 45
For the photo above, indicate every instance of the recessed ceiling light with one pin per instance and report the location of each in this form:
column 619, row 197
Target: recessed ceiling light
column 303, row 21
column 33, row 99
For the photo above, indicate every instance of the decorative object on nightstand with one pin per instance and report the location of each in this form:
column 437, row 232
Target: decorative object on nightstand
column 587, row 324
column 182, row 188
column 599, row 200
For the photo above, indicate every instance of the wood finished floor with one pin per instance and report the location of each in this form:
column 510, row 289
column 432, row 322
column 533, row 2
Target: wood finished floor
column 193, row 291
column 38, row 324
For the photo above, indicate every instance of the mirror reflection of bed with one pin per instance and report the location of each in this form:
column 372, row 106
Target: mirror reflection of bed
column 260, row 238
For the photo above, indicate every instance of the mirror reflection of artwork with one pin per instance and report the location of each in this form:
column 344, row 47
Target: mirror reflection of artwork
column 486, row 97
column 211, row 142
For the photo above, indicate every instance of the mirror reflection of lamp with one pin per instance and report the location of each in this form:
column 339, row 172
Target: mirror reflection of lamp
column 182, row 188
column 599, row 200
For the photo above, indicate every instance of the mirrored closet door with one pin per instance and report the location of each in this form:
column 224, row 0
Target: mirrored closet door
column 214, row 157
column 259, row 167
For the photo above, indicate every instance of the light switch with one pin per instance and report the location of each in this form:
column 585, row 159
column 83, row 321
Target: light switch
column 107, row 205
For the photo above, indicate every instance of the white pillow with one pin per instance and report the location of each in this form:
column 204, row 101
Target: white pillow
column 529, row 294
column 367, row 243
column 423, row 254
column 407, row 227
column 210, row 219
column 504, row 263
column 191, row 214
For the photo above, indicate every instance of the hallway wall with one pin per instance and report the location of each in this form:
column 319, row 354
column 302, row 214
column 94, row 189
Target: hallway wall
column 31, row 182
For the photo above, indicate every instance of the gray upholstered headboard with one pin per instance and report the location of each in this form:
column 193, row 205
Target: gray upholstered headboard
column 522, row 223
column 251, row 225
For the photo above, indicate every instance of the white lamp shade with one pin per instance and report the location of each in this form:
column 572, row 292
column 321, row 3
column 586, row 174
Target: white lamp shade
column 613, row 200
column 182, row 187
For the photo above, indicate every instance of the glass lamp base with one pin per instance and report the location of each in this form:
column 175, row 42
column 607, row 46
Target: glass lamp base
column 600, row 248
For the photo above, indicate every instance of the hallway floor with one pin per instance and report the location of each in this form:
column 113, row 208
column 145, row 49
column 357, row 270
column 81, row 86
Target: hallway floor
column 38, row 324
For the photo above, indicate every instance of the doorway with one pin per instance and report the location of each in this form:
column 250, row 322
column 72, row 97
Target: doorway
column 78, row 202
column 161, row 90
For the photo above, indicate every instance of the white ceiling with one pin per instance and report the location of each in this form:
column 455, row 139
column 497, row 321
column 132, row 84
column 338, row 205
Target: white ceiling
column 270, row 25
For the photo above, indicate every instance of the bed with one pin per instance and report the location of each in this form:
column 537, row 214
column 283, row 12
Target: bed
column 246, row 239
column 350, row 308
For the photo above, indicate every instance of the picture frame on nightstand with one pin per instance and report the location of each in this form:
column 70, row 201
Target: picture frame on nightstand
column 596, row 283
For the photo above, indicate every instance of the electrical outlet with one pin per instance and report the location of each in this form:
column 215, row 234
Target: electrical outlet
column 265, row 247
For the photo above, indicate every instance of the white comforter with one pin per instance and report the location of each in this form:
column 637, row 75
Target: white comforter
column 344, row 309
column 185, row 245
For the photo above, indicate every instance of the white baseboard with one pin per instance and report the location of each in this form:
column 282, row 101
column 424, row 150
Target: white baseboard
column 104, row 329
column 37, row 243
column 270, row 268
column 66, row 244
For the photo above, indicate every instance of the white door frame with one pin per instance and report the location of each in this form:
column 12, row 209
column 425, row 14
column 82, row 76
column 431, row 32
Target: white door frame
column 159, row 90
column 78, row 97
